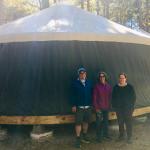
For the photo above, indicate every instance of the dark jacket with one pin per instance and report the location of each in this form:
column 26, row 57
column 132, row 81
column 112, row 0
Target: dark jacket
column 81, row 95
column 123, row 97
column 102, row 96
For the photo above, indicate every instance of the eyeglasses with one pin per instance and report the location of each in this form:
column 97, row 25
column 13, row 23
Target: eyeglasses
column 82, row 72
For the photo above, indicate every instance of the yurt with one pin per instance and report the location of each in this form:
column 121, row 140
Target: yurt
column 40, row 55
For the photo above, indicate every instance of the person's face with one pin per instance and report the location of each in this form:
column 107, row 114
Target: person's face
column 82, row 75
column 102, row 78
column 122, row 79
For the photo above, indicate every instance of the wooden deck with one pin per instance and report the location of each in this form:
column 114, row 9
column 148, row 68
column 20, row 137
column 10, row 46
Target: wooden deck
column 32, row 120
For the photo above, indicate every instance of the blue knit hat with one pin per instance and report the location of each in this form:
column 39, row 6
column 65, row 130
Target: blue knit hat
column 81, row 69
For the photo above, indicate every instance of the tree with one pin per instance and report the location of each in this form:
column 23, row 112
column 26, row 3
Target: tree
column 147, row 20
column 138, row 8
column 82, row 3
column 98, row 7
column 2, row 12
column 105, row 4
column 121, row 11
column 88, row 5
column 44, row 4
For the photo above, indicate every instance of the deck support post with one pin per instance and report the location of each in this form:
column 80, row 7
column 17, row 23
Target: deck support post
column 39, row 133
column 3, row 134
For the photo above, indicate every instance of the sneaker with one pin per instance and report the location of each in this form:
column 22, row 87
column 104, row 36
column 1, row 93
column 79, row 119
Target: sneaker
column 85, row 139
column 78, row 142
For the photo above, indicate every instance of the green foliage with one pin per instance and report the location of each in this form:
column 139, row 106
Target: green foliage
column 26, row 6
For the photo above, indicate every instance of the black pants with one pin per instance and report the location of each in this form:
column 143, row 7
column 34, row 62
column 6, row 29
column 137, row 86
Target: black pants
column 102, row 124
column 125, row 119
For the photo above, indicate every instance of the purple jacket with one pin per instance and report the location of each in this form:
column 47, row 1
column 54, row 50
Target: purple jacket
column 102, row 96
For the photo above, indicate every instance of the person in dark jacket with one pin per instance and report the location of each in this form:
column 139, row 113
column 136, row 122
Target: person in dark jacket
column 123, row 100
column 81, row 105
column 101, row 103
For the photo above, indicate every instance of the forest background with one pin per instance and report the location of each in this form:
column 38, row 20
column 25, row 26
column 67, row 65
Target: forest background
column 134, row 14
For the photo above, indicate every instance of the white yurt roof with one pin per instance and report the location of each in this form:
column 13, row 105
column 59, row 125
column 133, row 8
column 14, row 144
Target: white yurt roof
column 67, row 22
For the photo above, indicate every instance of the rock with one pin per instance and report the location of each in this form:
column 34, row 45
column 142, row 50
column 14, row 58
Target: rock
column 39, row 134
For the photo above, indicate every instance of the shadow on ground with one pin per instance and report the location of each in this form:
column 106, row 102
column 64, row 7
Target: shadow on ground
column 63, row 138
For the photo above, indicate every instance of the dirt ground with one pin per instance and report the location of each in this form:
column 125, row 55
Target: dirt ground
column 63, row 138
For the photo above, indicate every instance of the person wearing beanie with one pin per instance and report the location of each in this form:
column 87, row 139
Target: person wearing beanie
column 81, row 101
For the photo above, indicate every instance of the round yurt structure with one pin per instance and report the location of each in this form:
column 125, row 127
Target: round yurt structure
column 40, row 55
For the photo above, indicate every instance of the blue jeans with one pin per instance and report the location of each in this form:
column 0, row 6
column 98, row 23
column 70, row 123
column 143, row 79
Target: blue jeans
column 102, row 124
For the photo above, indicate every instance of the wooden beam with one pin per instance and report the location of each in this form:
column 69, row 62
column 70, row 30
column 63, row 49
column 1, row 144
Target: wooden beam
column 32, row 120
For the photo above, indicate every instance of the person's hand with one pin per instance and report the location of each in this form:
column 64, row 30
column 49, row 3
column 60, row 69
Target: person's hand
column 74, row 109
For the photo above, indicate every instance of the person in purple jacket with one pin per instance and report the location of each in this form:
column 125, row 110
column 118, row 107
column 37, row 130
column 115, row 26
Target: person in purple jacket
column 101, row 103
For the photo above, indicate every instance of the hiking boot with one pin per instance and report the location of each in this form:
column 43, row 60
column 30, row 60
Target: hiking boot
column 98, row 140
column 107, row 138
column 78, row 142
column 85, row 139
column 129, row 140
column 121, row 138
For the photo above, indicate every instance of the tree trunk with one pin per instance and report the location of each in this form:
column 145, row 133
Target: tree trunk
column 106, row 8
column 122, row 10
column 2, row 15
column 98, row 7
column 88, row 5
column 44, row 4
column 147, row 16
column 139, row 11
column 103, row 3
column 107, row 2
column 82, row 4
